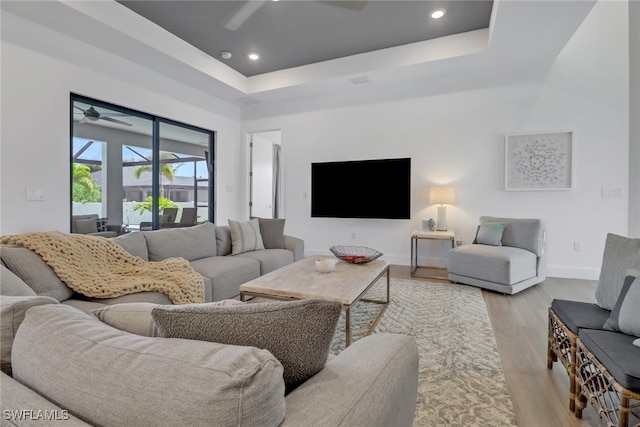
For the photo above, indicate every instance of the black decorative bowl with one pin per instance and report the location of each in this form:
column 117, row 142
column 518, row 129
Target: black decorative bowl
column 355, row 254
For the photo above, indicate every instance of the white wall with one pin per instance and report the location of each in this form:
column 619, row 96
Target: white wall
column 35, row 120
column 457, row 138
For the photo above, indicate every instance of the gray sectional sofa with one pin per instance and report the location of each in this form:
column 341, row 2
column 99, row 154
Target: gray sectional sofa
column 207, row 247
column 62, row 365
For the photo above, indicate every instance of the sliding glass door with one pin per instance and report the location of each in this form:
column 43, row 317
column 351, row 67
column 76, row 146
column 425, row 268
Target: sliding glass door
column 127, row 167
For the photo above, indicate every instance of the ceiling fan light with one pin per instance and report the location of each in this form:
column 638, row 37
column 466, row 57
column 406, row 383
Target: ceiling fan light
column 92, row 118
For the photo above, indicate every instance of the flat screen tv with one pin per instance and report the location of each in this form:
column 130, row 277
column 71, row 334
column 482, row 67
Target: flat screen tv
column 362, row 189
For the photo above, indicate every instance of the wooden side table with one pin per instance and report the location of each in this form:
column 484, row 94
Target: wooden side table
column 428, row 235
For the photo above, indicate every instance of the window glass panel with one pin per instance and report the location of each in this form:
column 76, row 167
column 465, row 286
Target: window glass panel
column 183, row 172
column 112, row 150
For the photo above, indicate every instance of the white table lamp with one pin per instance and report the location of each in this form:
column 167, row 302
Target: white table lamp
column 444, row 195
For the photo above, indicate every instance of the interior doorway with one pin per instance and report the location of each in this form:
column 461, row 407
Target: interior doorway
column 265, row 175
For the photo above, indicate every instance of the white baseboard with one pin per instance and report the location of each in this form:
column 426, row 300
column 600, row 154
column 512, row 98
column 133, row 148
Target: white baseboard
column 573, row 272
column 551, row 270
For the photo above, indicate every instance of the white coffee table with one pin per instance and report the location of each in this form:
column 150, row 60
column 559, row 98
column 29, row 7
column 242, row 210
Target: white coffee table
column 347, row 285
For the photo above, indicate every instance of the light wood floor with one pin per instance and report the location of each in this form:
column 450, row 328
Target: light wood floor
column 540, row 395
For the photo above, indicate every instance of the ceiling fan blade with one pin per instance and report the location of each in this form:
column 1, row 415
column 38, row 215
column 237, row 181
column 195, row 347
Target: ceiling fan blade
column 242, row 14
column 109, row 119
column 75, row 106
column 82, row 120
column 347, row 4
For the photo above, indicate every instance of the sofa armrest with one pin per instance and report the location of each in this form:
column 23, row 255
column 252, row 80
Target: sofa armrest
column 22, row 406
column 374, row 382
column 295, row 245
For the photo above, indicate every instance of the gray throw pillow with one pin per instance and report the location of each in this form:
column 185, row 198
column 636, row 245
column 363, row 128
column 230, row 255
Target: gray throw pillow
column 134, row 243
column 136, row 317
column 629, row 319
column 613, row 322
column 132, row 317
column 30, row 267
column 86, row 226
column 490, row 233
column 272, row 231
column 620, row 254
column 637, row 342
column 190, row 243
column 10, row 284
column 245, row 236
column 12, row 312
column 297, row 333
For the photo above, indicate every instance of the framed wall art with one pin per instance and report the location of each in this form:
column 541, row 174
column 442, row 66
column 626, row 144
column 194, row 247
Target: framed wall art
column 540, row 161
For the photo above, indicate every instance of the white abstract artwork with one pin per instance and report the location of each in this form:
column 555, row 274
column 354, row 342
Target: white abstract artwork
column 540, row 161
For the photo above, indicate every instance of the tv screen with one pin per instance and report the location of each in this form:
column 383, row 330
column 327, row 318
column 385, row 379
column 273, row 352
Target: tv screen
column 362, row 189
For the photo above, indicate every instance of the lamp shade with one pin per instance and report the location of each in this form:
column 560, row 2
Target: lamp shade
column 442, row 195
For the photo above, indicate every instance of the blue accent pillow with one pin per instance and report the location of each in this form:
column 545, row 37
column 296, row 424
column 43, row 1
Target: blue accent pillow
column 490, row 233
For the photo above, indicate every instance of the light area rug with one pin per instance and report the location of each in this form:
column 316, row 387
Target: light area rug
column 461, row 380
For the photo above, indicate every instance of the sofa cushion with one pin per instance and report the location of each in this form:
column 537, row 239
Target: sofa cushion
column 612, row 323
column 490, row 233
column 132, row 317
column 223, row 240
column 12, row 312
column 617, row 353
column 245, row 236
column 134, row 243
column 226, row 274
column 190, row 243
column 505, row 265
column 523, row 233
column 30, row 267
column 629, row 320
column 620, row 254
column 298, row 333
column 110, row 377
column 10, row 284
column 578, row 315
column 272, row 232
column 269, row 259
column 136, row 317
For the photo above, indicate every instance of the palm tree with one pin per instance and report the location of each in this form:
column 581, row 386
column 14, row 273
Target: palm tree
column 166, row 170
column 84, row 188
column 82, row 177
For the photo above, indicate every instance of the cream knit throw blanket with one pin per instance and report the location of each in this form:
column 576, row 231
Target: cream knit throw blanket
column 100, row 268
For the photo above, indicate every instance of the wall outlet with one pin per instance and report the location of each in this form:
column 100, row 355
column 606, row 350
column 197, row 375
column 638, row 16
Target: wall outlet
column 577, row 246
column 611, row 193
column 35, row 195
column 229, row 188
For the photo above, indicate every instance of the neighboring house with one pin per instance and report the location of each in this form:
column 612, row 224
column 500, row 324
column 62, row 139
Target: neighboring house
column 181, row 189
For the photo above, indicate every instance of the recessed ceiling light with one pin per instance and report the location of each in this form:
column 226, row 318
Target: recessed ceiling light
column 225, row 55
column 438, row 13
column 254, row 56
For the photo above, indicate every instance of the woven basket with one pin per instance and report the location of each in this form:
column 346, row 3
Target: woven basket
column 355, row 254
